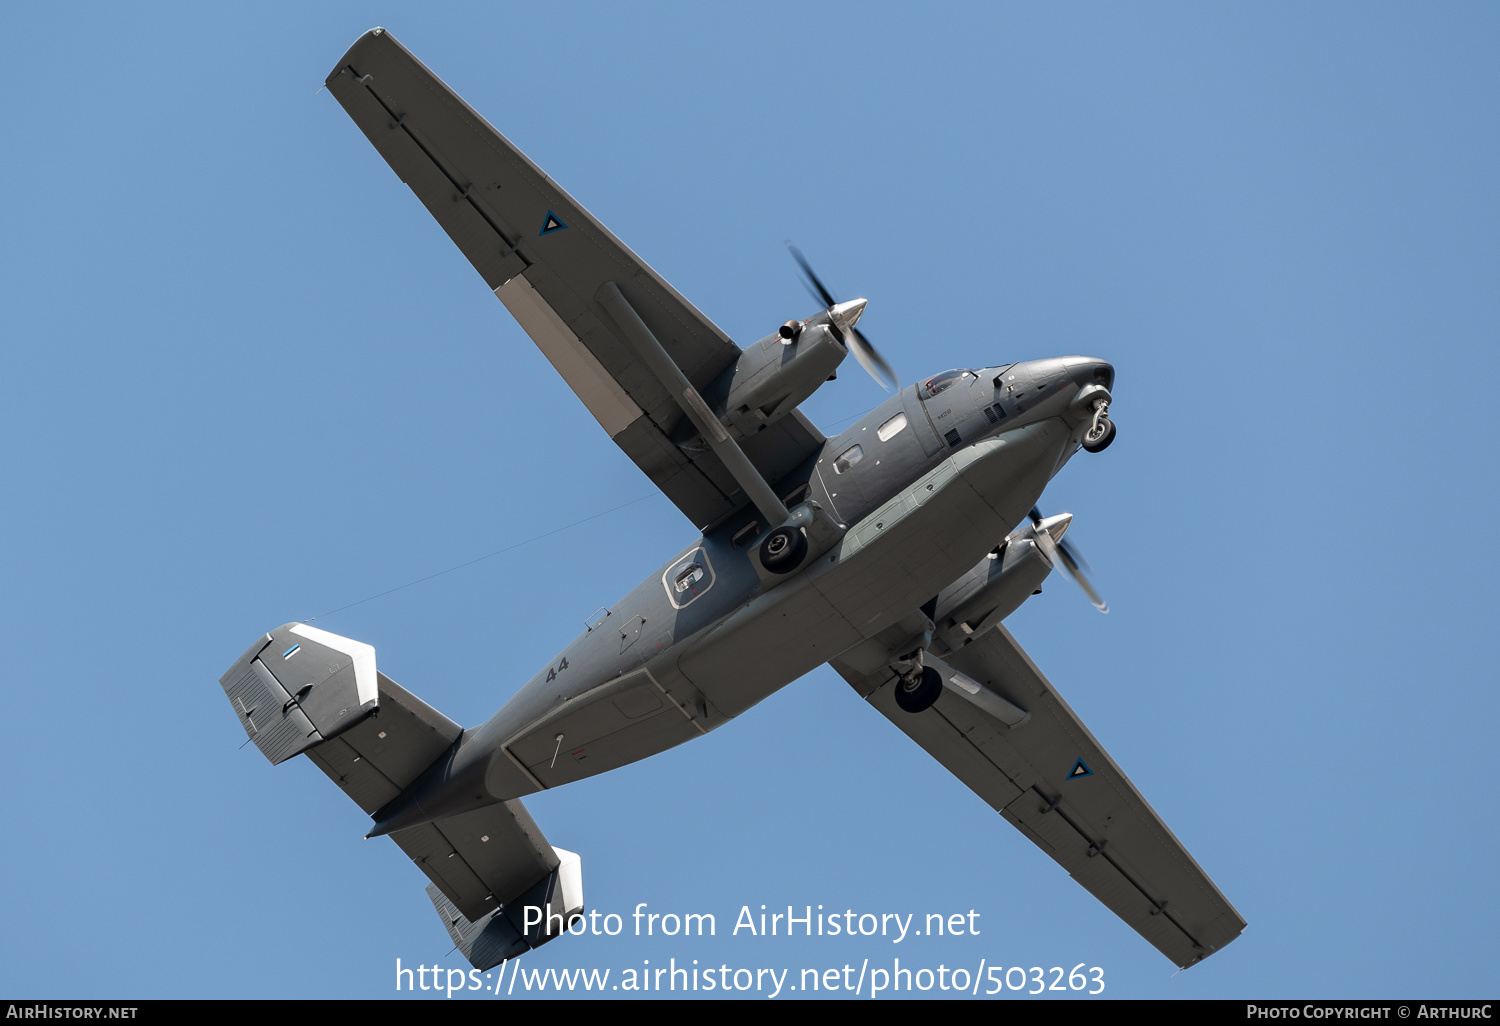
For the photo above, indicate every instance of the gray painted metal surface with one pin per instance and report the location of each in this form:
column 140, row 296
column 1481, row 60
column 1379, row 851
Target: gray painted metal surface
column 498, row 207
column 913, row 558
column 1051, row 779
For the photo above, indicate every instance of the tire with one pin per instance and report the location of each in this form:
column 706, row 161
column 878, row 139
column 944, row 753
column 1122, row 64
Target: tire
column 1102, row 442
column 783, row 549
column 920, row 696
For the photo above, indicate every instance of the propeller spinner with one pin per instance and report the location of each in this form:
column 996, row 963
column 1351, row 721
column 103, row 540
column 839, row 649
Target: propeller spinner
column 1061, row 552
column 842, row 318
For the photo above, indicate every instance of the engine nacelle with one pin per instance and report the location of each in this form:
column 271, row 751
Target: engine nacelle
column 774, row 376
column 990, row 592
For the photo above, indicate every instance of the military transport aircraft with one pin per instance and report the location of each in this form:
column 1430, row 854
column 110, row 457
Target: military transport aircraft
column 892, row 552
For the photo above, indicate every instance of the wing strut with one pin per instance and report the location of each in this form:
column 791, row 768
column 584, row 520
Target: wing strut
column 666, row 371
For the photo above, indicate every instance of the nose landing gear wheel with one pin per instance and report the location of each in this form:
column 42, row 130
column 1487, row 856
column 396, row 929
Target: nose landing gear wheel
column 1099, row 435
column 916, row 695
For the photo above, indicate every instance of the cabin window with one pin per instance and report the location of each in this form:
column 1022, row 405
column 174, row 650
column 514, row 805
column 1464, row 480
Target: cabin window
column 689, row 576
column 891, row 428
column 796, row 495
column 848, row 458
column 747, row 534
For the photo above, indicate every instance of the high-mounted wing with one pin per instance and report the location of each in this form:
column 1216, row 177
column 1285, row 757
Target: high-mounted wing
column 1049, row 777
column 546, row 257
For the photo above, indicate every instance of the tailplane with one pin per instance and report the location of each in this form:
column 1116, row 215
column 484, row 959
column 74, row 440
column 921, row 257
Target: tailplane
column 300, row 690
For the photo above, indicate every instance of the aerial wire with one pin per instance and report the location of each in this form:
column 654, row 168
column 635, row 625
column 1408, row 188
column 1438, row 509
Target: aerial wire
column 480, row 559
column 852, row 416
column 508, row 548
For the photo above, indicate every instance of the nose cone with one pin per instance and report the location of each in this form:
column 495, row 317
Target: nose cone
column 1085, row 371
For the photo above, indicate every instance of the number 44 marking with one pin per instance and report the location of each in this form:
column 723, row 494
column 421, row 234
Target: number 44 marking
column 559, row 668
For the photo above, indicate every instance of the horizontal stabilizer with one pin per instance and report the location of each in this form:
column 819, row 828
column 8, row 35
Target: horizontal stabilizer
column 376, row 760
column 302, row 690
column 483, row 858
column 526, row 921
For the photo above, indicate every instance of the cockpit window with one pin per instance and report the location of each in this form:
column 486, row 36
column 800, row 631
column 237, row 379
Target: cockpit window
column 945, row 380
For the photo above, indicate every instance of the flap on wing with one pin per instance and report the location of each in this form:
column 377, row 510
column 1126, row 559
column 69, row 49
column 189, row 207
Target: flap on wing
column 1050, row 778
column 605, row 399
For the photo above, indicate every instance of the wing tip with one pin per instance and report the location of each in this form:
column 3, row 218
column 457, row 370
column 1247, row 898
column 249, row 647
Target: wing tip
column 364, row 40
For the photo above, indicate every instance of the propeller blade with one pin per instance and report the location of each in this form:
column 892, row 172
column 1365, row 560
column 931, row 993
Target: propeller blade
column 1061, row 552
column 873, row 363
column 1073, row 554
column 821, row 290
column 1075, row 566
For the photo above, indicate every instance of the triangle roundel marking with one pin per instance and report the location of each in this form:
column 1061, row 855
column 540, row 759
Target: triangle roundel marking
column 552, row 224
column 1079, row 770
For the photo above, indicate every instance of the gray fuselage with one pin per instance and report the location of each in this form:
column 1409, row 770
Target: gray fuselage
column 707, row 636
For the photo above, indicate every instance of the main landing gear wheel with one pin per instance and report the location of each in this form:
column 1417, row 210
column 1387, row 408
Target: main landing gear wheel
column 916, row 695
column 783, row 549
column 1099, row 435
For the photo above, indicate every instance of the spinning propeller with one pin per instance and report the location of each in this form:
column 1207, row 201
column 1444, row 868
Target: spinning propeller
column 841, row 318
column 1060, row 551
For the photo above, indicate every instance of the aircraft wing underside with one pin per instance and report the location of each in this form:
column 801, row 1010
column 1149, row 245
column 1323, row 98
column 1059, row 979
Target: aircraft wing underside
column 546, row 257
column 1053, row 781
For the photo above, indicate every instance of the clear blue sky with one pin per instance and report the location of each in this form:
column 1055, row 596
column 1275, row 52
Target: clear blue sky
column 247, row 380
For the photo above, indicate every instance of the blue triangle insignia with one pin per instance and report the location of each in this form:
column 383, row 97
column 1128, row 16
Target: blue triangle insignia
column 1079, row 770
column 552, row 225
